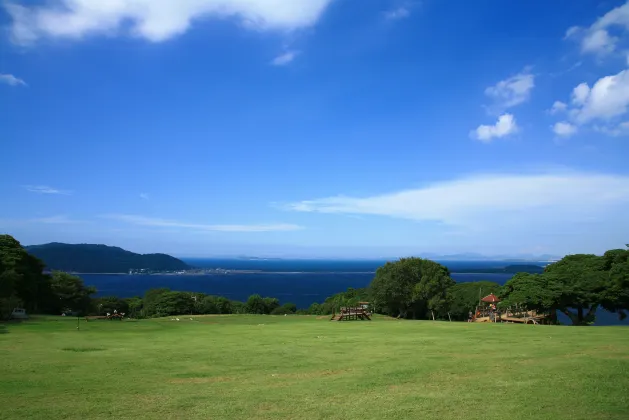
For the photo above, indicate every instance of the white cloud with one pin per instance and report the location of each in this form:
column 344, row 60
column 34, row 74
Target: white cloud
column 397, row 13
column 599, row 42
column 284, row 59
column 505, row 126
column 608, row 98
column 558, row 107
column 491, row 200
column 580, row 94
column 603, row 103
column 155, row 222
column 11, row 80
column 144, row 196
column 564, row 129
column 154, row 20
column 56, row 220
column 596, row 38
column 512, row 91
column 44, row 189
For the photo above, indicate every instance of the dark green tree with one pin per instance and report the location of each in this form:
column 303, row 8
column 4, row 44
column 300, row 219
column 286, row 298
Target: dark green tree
column 432, row 288
column 70, row 294
column 411, row 288
column 256, row 305
column 135, row 305
column 285, row 309
column 21, row 277
column 582, row 280
column 109, row 304
column 270, row 304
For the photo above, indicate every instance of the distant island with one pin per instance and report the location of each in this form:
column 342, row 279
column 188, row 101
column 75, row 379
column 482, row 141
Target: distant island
column 510, row 269
column 90, row 258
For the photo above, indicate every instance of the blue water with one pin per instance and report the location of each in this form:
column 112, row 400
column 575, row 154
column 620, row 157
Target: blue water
column 301, row 282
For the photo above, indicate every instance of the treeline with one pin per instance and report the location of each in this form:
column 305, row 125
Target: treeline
column 411, row 288
column 576, row 286
column 165, row 302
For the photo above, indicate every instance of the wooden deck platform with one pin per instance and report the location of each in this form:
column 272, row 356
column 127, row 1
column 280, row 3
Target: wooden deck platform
column 352, row 314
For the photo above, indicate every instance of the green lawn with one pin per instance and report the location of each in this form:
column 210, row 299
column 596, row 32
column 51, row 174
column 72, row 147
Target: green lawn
column 266, row 367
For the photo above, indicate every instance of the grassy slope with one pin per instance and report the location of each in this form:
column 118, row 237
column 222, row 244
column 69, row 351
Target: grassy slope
column 267, row 367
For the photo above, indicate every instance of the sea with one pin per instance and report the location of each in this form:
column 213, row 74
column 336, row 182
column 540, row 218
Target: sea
column 301, row 282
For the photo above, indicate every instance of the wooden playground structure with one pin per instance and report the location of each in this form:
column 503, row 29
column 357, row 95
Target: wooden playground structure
column 518, row 315
column 353, row 313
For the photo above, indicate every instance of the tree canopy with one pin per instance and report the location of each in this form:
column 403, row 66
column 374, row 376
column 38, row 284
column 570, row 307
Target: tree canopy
column 577, row 285
column 410, row 288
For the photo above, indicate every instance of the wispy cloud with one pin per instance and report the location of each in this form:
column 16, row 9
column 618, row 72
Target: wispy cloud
column 156, row 222
column 505, row 126
column 44, row 189
column 401, row 10
column 491, row 200
column 512, row 91
column 284, row 59
column 57, row 220
column 596, row 39
column 397, row 13
column 144, row 196
column 154, row 20
column 11, row 80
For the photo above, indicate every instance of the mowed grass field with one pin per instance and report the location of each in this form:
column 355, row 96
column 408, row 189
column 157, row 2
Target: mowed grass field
column 300, row 367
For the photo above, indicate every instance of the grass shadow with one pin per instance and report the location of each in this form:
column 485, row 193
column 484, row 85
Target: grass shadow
column 3, row 329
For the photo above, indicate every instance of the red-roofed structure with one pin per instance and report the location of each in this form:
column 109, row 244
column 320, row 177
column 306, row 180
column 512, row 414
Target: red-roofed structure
column 491, row 298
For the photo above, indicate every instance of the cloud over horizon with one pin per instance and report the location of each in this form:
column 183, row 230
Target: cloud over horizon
column 153, row 20
column 491, row 200
column 156, row 222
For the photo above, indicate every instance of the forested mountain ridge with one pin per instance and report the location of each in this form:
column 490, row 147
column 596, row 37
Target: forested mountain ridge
column 90, row 258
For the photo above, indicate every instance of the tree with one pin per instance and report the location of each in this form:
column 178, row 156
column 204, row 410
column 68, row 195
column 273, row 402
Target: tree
column 226, row 306
column 21, row 276
column 109, row 304
column 270, row 304
column 151, row 301
column 209, row 305
column 616, row 296
column 577, row 285
column 533, row 292
column 432, row 288
column 69, row 293
column 285, row 309
column 135, row 305
column 464, row 297
column 410, row 287
column 255, row 305
column 582, row 280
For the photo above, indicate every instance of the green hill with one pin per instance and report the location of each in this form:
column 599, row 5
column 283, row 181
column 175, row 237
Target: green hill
column 88, row 258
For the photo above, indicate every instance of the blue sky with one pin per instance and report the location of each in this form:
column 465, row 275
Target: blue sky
column 337, row 128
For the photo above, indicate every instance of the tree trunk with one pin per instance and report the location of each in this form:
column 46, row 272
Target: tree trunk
column 433, row 315
column 449, row 317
